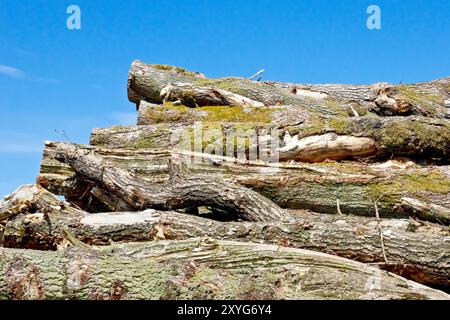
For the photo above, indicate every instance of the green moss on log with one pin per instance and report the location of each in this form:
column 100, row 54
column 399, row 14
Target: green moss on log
column 166, row 67
column 418, row 97
column 170, row 113
column 417, row 185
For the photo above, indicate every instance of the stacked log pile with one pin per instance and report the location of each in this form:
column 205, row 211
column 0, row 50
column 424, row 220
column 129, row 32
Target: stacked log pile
column 238, row 189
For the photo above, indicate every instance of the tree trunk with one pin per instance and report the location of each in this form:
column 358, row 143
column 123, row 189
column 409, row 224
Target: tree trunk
column 384, row 137
column 414, row 250
column 196, row 269
column 181, row 191
column 315, row 187
column 427, row 99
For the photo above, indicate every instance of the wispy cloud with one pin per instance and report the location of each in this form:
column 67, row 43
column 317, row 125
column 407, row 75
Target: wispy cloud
column 123, row 118
column 22, row 75
column 12, row 72
column 20, row 148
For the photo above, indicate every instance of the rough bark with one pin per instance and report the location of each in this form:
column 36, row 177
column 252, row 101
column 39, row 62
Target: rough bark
column 181, row 191
column 415, row 137
column 426, row 99
column 166, row 164
column 291, row 185
column 415, row 250
column 30, row 199
column 197, row 269
column 145, row 82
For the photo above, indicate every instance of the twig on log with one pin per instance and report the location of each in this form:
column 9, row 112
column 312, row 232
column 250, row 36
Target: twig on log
column 338, row 205
column 260, row 72
column 380, row 231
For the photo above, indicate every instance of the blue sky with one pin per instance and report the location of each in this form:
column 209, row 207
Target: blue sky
column 53, row 78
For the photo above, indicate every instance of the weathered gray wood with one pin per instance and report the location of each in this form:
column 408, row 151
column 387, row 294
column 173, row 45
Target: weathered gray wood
column 426, row 99
column 29, row 199
column 291, row 185
column 181, row 191
column 197, row 269
column 314, row 123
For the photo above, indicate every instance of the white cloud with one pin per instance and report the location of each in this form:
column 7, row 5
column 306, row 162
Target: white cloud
column 12, row 72
column 124, row 118
column 19, row 74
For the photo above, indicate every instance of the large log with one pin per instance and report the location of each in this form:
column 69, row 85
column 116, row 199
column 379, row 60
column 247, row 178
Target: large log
column 415, row 250
column 180, row 191
column 225, row 129
column 146, row 82
column 291, row 185
column 196, row 269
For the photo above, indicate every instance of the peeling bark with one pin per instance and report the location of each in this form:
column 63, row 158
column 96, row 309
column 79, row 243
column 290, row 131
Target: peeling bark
column 29, row 199
column 193, row 97
column 145, row 82
column 327, row 146
column 220, row 232
column 426, row 210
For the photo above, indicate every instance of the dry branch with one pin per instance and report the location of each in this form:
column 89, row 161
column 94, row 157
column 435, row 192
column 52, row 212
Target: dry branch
column 180, row 192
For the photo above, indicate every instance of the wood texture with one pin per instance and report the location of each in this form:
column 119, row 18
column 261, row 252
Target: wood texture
column 196, row 269
column 415, row 137
column 197, row 96
column 415, row 250
column 291, row 185
column 181, row 191
column 200, row 200
column 426, row 99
